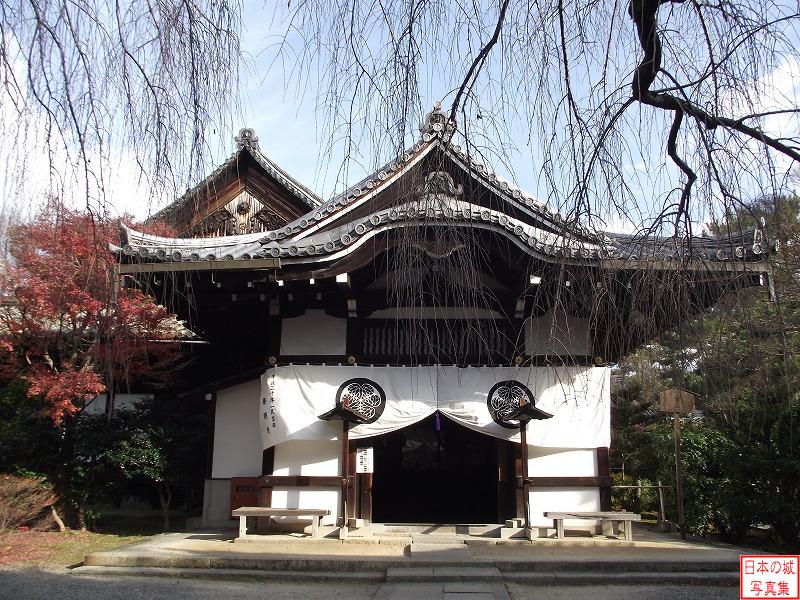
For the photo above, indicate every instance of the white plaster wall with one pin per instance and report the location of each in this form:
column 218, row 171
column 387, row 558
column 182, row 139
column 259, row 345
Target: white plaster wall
column 557, row 333
column 543, row 500
column 237, row 438
column 98, row 404
column 313, row 333
column 303, row 457
column 562, row 462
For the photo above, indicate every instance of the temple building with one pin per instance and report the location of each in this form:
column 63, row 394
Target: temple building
column 431, row 346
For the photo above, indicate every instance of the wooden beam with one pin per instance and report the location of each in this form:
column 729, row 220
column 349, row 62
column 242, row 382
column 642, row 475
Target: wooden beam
column 734, row 266
column 600, row 481
column 215, row 200
column 252, row 264
column 272, row 481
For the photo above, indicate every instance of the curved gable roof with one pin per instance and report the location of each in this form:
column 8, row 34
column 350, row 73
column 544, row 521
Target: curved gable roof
column 333, row 229
column 246, row 146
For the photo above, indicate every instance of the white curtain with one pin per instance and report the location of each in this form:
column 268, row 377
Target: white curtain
column 293, row 397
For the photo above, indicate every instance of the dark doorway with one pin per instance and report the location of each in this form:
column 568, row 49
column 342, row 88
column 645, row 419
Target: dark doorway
column 427, row 476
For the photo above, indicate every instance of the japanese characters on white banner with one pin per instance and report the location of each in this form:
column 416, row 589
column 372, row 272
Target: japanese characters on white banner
column 390, row 398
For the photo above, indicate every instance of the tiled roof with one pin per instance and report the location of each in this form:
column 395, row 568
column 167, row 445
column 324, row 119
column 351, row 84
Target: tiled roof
column 246, row 141
column 325, row 233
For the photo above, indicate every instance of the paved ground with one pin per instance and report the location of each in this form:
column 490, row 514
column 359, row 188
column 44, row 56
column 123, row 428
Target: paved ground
column 650, row 546
column 36, row 584
column 203, row 565
column 626, row 592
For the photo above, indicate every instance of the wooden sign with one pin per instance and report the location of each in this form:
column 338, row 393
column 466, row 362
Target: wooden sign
column 677, row 400
column 364, row 460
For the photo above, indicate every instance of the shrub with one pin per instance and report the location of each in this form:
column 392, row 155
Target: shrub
column 643, row 501
column 24, row 500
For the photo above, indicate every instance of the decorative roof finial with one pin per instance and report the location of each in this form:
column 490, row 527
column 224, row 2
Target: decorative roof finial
column 246, row 138
column 437, row 123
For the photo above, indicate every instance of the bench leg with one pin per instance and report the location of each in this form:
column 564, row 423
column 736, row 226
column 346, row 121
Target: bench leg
column 629, row 531
column 315, row 526
column 242, row 526
column 608, row 527
column 559, row 523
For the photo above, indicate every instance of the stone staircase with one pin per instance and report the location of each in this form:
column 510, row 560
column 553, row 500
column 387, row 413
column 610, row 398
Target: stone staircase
column 413, row 553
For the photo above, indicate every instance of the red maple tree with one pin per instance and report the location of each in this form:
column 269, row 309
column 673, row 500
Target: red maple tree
column 64, row 326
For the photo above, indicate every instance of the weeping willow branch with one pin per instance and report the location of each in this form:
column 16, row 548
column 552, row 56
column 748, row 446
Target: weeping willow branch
column 644, row 15
column 479, row 61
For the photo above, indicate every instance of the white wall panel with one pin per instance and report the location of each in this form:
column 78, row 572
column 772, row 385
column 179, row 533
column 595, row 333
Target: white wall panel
column 237, row 437
column 313, row 333
column 557, row 333
column 543, row 500
column 561, row 462
column 302, row 457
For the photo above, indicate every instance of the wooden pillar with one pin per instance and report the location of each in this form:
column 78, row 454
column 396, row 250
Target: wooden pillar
column 519, row 498
column 365, row 496
column 501, row 457
column 265, row 492
column 678, row 475
column 352, row 497
column 345, row 470
column 523, row 442
column 355, row 333
column 274, row 336
column 603, row 470
column 267, row 468
column 210, row 449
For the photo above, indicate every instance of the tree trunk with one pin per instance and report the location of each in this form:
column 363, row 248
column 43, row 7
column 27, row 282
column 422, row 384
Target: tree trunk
column 110, row 401
column 165, row 498
column 82, row 515
column 62, row 481
column 57, row 519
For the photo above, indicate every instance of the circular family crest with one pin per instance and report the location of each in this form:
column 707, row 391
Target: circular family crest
column 363, row 396
column 504, row 398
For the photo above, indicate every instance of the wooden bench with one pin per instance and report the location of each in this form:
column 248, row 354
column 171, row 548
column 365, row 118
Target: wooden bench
column 264, row 511
column 611, row 521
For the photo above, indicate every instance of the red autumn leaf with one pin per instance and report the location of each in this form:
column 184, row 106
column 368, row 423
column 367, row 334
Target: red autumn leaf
column 61, row 328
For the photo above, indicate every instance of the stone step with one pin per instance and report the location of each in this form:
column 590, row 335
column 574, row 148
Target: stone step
column 615, row 567
column 474, row 576
column 707, row 578
column 424, row 538
column 442, row 590
column 436, row 554
column 482, row 529
column 237, row 574
column 451, row 573
column 440, row 551
column 427, row 555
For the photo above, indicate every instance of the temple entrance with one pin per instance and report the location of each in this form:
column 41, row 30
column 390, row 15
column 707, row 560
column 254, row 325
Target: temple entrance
column 444, row 474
